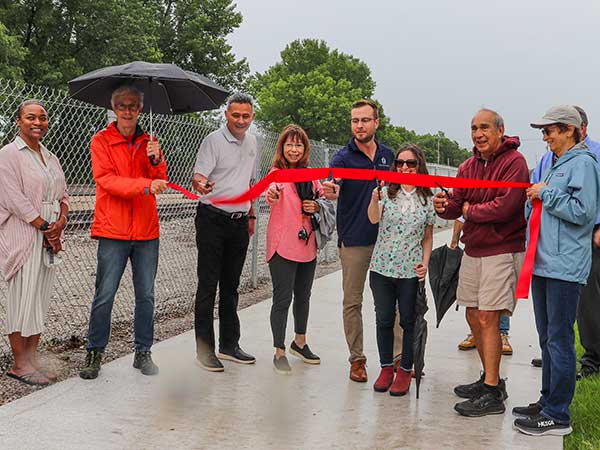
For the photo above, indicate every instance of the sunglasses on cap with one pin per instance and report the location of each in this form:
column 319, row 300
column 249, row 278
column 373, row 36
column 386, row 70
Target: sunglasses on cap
column 410, row 163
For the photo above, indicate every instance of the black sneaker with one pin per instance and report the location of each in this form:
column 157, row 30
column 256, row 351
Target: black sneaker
column 208, row 361
column 143, row 361
column 476, row 389
column 586, row 371
column 93, row 361
column 489, row 403
column 536, row 362
column 523, row 412
column 304, row 353
column 281, row 366
column 237, row 355
column 540, row 425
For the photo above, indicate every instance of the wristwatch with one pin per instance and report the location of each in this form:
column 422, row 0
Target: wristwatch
column 44, row 226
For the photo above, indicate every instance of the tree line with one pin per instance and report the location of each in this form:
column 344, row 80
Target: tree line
column 49, row 42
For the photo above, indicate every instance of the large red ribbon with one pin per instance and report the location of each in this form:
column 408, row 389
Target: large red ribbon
column 431, row 181
column 524, row 282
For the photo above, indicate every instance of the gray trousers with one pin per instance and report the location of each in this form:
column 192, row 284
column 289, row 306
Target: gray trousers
column 588, row 315
column 290, row 279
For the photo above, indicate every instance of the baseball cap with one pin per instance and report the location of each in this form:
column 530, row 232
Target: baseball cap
column 566, row 114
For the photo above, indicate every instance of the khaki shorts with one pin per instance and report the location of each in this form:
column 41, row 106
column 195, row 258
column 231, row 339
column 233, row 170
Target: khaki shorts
column 488, row 283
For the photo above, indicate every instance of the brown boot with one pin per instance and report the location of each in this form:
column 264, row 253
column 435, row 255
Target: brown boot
column 401, row 383
column 358, row 372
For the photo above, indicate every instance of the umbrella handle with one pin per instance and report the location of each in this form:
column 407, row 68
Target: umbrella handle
column 152, row 159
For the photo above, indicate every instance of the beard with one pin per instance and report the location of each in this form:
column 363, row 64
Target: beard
column 368, row 138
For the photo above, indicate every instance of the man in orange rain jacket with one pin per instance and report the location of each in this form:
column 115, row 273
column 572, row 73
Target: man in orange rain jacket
column 129, row 170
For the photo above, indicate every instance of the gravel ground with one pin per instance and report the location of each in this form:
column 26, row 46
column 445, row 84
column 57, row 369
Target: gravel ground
column 66, row 358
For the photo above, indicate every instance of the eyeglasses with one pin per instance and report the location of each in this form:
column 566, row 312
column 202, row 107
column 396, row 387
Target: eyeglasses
column 410, row 163
column 133, row 107
column 547, row 130
column 364, row 120
column 291, row 145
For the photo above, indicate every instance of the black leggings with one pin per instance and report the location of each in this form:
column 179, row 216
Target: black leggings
column 290, row 278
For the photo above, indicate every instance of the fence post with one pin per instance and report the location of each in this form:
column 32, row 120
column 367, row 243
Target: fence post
column 254, row 265
column 326, row 164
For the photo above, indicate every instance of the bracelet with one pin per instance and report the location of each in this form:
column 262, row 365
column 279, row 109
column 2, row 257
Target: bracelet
column 252, row 217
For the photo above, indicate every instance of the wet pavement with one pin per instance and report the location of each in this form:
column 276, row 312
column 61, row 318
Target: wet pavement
column 251, row 407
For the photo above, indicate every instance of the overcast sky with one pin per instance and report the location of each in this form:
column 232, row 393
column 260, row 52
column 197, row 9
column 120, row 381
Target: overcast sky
column 436, row 62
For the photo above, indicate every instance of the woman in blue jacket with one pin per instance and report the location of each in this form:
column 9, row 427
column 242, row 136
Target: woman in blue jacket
column 569, row 193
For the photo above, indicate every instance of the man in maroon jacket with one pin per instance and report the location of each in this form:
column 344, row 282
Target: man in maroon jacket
column 494, row 240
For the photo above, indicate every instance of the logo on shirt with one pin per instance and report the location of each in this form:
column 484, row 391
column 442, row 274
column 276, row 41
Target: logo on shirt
column 560, row 174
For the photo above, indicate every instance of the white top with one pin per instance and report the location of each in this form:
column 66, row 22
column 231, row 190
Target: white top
column 230, row 164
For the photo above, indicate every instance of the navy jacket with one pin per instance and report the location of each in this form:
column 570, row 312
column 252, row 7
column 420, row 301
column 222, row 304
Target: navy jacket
column 353, row 225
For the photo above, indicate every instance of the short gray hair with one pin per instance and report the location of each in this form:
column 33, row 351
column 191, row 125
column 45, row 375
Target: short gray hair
column 240, row 97
column 126, row 89
column 582, row 113
column 498, row 120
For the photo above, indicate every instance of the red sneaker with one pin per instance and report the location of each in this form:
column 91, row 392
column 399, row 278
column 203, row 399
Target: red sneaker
column 385, row 379
column 401, row 383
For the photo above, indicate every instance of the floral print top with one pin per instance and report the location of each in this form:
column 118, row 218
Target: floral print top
column 401, row 229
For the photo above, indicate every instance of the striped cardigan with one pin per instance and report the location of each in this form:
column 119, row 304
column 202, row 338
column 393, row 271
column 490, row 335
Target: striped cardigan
column 21, row 195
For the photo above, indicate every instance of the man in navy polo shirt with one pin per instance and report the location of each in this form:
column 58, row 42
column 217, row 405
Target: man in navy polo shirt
column 356, row 234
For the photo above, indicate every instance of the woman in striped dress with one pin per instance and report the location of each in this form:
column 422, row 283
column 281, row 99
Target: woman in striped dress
column 33, row 213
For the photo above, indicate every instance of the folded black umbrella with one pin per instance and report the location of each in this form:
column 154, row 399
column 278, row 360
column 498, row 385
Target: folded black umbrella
column 444, row 266
column 420, row 334
column 306, row 192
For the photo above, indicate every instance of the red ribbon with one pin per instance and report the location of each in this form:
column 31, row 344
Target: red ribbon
column 527, row 269
column 431, row 181
column 184, row 191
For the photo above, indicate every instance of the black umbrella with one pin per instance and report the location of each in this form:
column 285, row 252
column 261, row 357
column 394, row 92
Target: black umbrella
column 444, row 265
column 420, row 334
column 167, row 88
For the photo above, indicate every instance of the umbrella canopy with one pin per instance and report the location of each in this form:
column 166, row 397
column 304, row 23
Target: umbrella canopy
column 167, row 88
column 444, row 265
column 420, row 334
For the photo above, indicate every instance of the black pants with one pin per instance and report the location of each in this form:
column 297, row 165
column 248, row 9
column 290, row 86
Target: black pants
column 391, row 295
column 222, row 243
column 290, row 278
column 588, row 315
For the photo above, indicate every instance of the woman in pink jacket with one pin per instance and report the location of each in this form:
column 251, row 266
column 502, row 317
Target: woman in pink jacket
column 291, row 247
column 33, row 213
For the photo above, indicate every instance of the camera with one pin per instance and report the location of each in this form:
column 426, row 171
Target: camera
column 303, row 235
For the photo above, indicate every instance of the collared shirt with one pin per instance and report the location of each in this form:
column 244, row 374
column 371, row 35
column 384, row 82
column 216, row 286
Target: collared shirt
column 353, row 225
column 402, row 227
column 229, row 163
column 548, row 160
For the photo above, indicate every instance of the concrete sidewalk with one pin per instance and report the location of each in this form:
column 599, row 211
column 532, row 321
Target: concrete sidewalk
column 251, row 407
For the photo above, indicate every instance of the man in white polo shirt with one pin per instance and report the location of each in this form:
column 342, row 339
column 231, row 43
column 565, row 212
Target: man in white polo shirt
column 225, row 167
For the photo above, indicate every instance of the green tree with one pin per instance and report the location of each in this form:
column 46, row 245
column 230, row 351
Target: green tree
column 66, row 38
column 193, row 34
column 11, row 55
column 314, row 87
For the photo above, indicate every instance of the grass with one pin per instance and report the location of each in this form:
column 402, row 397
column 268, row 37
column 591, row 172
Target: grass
column 585, row 412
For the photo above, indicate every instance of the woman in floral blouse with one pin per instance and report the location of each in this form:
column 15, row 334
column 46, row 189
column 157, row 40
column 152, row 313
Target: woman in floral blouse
column 400, row 258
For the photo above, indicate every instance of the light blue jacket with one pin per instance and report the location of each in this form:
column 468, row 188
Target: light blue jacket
column 546, row 161
column 569, row 211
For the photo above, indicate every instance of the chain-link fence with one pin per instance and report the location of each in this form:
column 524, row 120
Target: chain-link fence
column 72, row 125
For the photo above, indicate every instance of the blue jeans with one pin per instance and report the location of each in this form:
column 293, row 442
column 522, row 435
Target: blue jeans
column 504, row 324
column 112, row 259
column 555, row 307
column 389, row 294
